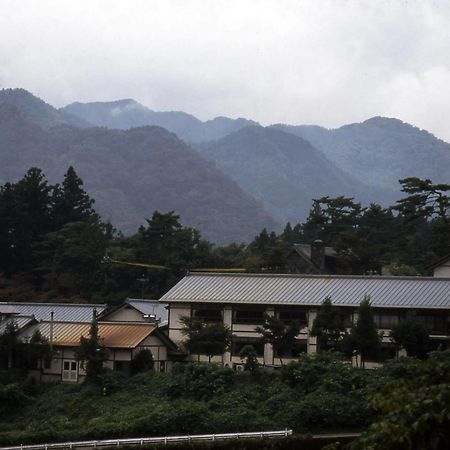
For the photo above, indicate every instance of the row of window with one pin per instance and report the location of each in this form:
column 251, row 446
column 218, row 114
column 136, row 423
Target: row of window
column 239, row 343
column 436, row 322
column 254, row 316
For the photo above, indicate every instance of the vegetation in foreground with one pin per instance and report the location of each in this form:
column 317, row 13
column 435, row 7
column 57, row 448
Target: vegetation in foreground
column 405, row 400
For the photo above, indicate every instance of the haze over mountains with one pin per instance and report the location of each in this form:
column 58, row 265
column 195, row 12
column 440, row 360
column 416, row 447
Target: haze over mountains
column 125, row 114
column 236, row 178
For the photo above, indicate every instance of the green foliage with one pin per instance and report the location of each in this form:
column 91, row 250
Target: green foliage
column 208, row 339
column 414, row 411
column 280, row 335
column 92, row 354
column 9, row 344
column 328, row 326
column 142, row 362
column 249, row 356
column 200, row 380
column 12, row 397
column 364, row 337
column 412, row 335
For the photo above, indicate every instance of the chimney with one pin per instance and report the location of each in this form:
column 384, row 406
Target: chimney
column 318, row 254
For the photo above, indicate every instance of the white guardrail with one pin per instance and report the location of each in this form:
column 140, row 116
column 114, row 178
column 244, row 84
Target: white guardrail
column 151, row 440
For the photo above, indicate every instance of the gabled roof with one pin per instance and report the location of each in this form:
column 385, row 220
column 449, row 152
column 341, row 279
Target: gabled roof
column 112, row 334
column 439, row 262
column 149, row 307
column 268, row 289
column 63, row 312
column 143, row 306
column 305, row 250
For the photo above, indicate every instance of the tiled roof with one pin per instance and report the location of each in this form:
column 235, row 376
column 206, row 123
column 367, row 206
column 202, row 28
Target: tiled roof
column 112, row 334
column 401, row 292
column 63, row 312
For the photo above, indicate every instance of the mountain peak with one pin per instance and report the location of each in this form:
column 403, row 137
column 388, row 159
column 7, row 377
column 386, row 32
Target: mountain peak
column 37, row 111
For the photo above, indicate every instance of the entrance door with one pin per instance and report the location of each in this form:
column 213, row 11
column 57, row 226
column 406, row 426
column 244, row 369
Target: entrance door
column 70, row 370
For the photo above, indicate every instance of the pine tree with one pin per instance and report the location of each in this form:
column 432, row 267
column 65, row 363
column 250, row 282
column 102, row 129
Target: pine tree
column 71, row 203
column 328, row 326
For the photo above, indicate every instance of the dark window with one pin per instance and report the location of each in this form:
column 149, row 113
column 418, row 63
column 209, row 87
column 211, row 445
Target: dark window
column 239, row 342
column 436, row 323
column 248, row 315
column 386, row 320
column 293, row 315
column 208, row 314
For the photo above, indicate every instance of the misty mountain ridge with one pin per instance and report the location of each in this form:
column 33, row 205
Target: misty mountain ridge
column 380, row 150
column 282, row 167
column 127, row 113
column 131, row 173
column 38, row 111
column 282, row 171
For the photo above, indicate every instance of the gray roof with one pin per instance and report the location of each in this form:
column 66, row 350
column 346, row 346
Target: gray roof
column 6, row 308
column 20, row 321
column 150, row 307
column 399, row 292
column 63, row 312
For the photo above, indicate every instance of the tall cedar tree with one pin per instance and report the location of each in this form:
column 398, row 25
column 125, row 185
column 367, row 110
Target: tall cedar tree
column 71, row 203
column 329, row 326
column 364, row 335
column 92, row 353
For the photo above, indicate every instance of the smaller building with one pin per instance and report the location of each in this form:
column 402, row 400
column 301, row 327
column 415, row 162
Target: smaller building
column 123, row 341
column 312, row 259
column 441, row 268
column 137, row 310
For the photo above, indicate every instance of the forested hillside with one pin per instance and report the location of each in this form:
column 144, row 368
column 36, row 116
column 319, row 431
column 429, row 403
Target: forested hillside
column 380, row 151
column 132, row 173
column 282, row 171
column 125, row 114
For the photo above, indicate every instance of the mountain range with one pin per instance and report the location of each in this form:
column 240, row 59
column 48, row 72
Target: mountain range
column 131, row 173
column 227, row 177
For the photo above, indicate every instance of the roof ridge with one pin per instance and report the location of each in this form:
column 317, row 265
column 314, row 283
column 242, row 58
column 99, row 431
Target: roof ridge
column 294, row 275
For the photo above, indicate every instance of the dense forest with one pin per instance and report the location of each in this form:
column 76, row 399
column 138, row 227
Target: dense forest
column 402, row 405
column 54, row 246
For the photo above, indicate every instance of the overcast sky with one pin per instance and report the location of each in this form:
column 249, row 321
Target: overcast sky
column 327, row 62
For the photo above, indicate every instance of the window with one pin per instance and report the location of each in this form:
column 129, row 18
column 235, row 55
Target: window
column 70, row 370
column 386, row 320
column 239, row 342
column 208, row 313
column 436, row 323
column 243, row 315
column 293, row 315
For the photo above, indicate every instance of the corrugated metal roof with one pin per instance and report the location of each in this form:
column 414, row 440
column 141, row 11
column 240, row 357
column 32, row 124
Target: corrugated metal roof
column 5, row 308
column 63, row 312
column 401, row 292
column 150, row 307
column 20, row 321
column 112, row 334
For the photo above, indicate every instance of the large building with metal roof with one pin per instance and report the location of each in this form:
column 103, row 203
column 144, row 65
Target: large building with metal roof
column 241, row 300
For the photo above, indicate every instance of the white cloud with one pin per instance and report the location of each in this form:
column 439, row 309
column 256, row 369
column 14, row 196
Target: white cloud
column 328, row 62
